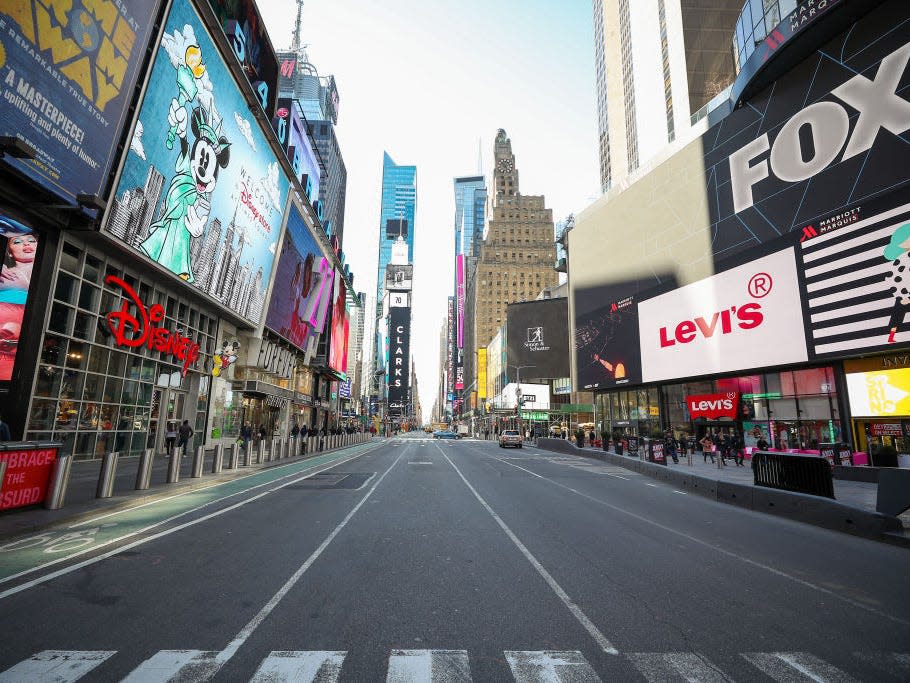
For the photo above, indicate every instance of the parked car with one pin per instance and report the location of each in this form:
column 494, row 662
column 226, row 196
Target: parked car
column 510, row 437
column 444, row 434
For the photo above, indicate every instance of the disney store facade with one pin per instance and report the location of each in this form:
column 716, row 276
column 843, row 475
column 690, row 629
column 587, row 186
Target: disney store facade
column 758, row 273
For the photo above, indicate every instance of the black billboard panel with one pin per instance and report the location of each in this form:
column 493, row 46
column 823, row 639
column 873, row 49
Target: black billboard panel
column 399, row 358
column 607, row 348
column 537, row 336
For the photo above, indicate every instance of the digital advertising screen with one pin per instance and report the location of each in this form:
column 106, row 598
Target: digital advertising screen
column 67, row 74
column 303, row 288
column 606, row 338
column 882, row 393
column 19, row 244
column 290, row 127
column 538, row 337
column 338, row 350
column 201, row 193
column 399, row 355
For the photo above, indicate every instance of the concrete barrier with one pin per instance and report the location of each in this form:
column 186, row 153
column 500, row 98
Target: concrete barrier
column 800, row 507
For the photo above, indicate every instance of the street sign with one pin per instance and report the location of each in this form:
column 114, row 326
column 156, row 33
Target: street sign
column 529, row 398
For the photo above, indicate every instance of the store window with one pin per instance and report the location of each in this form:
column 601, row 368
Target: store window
column 95, row 397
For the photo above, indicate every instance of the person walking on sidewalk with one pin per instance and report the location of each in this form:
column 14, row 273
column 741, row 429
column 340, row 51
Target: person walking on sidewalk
column 736, row 448
column 671, row 446
column 184, row 434
column 170, row 436
column 707, row 447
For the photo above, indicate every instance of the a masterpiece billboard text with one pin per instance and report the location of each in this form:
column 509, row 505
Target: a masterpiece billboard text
column 67, row 74
column 201, row 193
column 303, row 285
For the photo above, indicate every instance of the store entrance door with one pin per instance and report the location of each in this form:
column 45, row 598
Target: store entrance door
column 167, row 410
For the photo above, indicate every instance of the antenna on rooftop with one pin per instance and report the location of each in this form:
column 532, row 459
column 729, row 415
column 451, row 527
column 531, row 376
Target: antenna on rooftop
column 479, row 157
column 295, row 44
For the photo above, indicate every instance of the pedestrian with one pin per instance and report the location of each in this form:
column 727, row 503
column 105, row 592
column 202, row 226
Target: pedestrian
column 184, row 434
column 262, row 432
column 170, row 436
column 4, row 431
column 591, row 437
column 736, row 446
column 246, row 433
column 295, row 431
column 707, row 447
column 671, row 446
column 761, row 444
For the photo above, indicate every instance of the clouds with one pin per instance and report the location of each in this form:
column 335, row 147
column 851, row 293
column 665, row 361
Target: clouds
column 245, row 129
column 176, row 44
column 269, row 185
column 136, row 143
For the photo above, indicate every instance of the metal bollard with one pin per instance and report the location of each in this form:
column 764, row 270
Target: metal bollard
column 218, row 461
column 105, row 488
column 247, row 453
column 260, row 447
column 173, row 466
column 60, row 476
column 235, row 457
column 144, row 473
column 719, row 459
column 287, row 448
column 198, row 462
column 273, row 453
column 689, row 457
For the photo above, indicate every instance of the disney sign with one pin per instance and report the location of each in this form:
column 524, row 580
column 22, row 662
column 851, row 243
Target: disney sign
column 133, row 332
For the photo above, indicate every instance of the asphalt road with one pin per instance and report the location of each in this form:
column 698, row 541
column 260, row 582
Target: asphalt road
column 419, row 560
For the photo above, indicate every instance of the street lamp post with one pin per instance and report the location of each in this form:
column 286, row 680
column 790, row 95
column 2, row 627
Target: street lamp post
column 518, row 369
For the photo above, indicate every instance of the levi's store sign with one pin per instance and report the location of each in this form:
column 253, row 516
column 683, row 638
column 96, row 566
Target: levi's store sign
column 142, row 329
column 746, row 317
column 713, row 406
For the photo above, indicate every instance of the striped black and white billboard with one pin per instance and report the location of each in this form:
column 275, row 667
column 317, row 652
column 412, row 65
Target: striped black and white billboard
column 856, row 281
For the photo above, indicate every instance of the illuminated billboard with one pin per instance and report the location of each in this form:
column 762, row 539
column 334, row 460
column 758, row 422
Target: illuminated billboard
column 399, row 355
column 537, row 337
column 482, row 373
column 882, row 393
column 290, row 127
column 67, row 75
column 303, row 286
column 398, row 278
column 19, row 244
column 201, row 192
column 459, row 297
column 338, row 349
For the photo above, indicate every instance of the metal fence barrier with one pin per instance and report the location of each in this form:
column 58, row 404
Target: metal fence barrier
column 790, row 472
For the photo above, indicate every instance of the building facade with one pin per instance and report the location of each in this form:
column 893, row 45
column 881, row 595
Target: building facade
column 518, row 255
column 770, row 302
column 657, row 64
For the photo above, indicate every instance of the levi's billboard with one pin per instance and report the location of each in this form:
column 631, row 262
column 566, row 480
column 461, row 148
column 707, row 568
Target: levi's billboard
column 746, row 317
column 201, row 193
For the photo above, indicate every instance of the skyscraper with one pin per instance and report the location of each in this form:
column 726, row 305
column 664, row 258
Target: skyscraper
column 517, row 254
column 657, row 63
column 399, row 204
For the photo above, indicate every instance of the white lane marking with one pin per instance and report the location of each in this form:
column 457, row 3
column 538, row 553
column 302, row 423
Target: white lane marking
column 682, row 493
column 658, row 667
column 576, row 611
column 654, row 485
column 796, row 667
column 162, row 665
column 550, row 666
column 300, row 666
column 724, row 551
column 61, row 666
column 111, row 553
column 419, row 463
column 426, row 666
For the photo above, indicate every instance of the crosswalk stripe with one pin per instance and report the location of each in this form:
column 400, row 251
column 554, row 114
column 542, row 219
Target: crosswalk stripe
column 300, row 666
column 658, row 667
column 797, row 667
column 550, row 666
column 897, row 664
column 167, row 665
column 61, row 666
column 438, row 666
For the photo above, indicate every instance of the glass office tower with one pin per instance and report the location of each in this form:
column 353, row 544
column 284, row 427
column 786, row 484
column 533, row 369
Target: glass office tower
column 470, row 204
column 399, row 202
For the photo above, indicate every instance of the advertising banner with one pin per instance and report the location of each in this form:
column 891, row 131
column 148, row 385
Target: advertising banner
column 399, row 357
column 19, row 245
column 67, row 74
column 481, row 373
column 746, row 317
column 28, row 472
column 303, row 287
column 459, row 298
column 855, row 280
column 885, row 393
column 606, row 340
column 450, row 345
column 338, row 350
column 290, row 127
column 538, row 337
column 713, row 406
column 201, row 193
column 399, row 278
column 252, row 47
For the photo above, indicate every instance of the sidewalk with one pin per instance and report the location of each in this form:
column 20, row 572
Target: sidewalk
column 80, row 500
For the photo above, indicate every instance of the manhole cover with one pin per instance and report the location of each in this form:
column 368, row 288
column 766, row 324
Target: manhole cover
column 334, row 481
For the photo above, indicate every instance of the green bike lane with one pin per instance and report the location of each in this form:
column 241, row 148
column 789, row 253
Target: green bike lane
column 69, row 542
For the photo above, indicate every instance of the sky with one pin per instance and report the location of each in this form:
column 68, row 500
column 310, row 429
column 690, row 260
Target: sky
column 426, row 81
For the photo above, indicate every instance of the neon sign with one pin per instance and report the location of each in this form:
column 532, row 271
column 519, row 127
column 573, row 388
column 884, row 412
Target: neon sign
column 133, row 332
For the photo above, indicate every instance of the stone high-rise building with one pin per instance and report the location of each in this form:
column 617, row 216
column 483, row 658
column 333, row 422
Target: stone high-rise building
column 518, row 253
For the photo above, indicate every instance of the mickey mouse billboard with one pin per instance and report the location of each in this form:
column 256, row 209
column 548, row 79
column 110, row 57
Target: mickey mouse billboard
column 201, row 192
